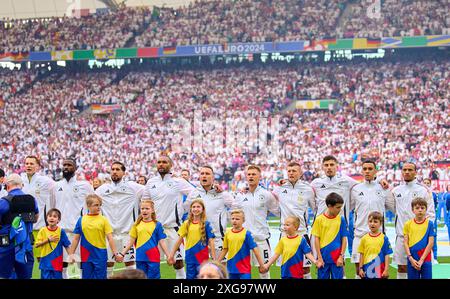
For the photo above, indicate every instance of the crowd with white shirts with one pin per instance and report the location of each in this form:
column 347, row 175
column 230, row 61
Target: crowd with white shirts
column 226, row 21
column 381, row 115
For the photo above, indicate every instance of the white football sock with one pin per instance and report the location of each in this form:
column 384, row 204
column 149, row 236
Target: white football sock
column 64, row 273
column 131, row 266
column 109, row 271
column 180, row 274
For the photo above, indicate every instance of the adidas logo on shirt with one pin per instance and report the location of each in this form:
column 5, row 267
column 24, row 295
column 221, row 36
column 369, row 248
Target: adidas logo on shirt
column 285, row 191
column 153, row 187
column 361, row 194
column 107, row 191
column 323, row 186
column 245, row 199
column 399, row 195
column 60, row 189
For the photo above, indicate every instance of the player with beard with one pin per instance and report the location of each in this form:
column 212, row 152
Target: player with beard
column 403, row 196
column 69, row 197
column 365, row 198
column 121, row 206
column 216, row 205
column 167, row 193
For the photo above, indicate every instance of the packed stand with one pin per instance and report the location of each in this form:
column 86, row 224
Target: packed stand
column 105, row 30
column 396, row 18
column 225, row 21
column 392, row 111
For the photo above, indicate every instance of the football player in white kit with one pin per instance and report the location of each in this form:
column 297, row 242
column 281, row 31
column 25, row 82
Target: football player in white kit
column 216, row 205
column 167, row 193
column 39, row 186
column 69, row 196
column 121, row 206
column 336, row 182
column 257, row 202
column 295, row 196
column 367, row 197
column 403, row 196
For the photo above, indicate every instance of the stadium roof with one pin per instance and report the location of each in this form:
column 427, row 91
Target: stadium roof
column 26, row 9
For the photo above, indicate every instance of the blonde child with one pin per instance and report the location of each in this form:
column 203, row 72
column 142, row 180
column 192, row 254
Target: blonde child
column 147, row 233
column 51, row 239
column 199, row 236
column 238, row 243
column 291, row 248
column 93, row 229
column 374, row 249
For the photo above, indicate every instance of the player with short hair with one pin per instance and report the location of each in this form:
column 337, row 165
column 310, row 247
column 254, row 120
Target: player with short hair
column 256, row 203
column 403, row 196
column 294, row 197
column 69, row 196
column 121, row 206
column 366, row 197
column 167, row 193
column 39, row 186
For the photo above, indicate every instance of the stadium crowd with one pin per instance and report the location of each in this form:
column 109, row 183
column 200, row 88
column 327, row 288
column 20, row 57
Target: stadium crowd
column 226, row 21
column 105, row 30
column 381, row 114
column 397, row 18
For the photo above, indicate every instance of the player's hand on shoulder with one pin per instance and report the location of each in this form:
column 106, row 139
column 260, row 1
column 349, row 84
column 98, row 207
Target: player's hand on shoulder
column 218, row 188
column 385, row 184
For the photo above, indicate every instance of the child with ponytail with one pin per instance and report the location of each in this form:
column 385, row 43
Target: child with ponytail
column 199, row 235
column 148, row 234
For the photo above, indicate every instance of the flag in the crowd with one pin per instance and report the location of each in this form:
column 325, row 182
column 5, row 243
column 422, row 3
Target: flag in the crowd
column 373, row 42
column 105, row 108
column 2, row 103
column 329, row 40
column 169, row 50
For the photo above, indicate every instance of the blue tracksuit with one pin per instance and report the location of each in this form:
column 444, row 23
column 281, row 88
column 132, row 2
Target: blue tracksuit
column 8, row 261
